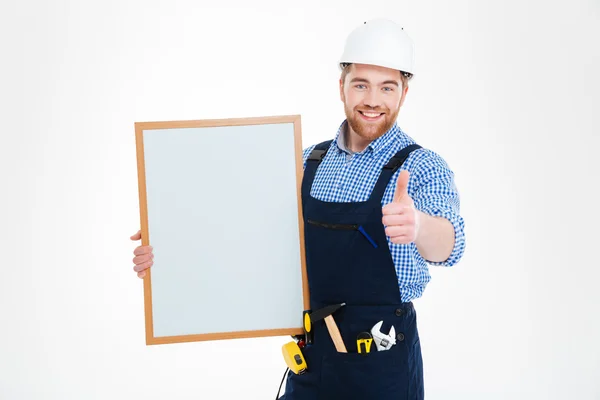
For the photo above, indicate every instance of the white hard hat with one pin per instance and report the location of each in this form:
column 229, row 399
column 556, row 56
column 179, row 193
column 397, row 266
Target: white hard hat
column 380, row 42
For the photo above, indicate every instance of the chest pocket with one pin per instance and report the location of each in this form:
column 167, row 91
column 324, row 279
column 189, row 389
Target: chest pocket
column 348, row 262
column 345, row 227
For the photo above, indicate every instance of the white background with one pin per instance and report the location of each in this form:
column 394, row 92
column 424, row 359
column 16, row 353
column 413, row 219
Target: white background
column 505, row 91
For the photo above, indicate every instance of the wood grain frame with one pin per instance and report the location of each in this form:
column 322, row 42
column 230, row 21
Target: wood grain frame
column 140, row 127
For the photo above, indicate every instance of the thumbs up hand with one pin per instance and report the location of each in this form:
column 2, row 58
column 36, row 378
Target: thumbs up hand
column 400, row 217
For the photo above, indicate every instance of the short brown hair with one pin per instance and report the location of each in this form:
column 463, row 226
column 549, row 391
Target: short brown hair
column 404, row 76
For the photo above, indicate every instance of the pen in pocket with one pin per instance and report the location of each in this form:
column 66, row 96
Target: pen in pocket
column 362, row 230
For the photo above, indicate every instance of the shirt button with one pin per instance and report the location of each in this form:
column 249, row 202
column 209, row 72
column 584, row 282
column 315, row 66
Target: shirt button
column 400, row 337
column 399, row 312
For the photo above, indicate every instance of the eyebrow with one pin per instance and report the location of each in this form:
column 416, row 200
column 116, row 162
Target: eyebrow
column 388, row 82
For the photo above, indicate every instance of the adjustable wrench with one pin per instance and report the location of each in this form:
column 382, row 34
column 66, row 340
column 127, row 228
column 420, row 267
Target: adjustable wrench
column 383, row 341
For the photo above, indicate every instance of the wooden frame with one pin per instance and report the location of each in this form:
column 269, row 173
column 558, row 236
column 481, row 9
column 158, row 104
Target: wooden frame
column 140, row 129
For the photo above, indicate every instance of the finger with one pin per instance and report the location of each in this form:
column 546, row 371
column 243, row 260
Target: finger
column 403, row 239
column 399, row 219
column 396, row 208
column 143, row 258
column 137, row 236
column 401, row 186
column 143, row 266
column 141, row 274
column 140, row 250
column 395, row 231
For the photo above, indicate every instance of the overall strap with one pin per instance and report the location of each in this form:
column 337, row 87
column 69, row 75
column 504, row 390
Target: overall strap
column 312, row 163
column 389, row 169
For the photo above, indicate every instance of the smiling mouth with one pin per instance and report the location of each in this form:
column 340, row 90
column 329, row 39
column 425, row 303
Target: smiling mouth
column 370, row 116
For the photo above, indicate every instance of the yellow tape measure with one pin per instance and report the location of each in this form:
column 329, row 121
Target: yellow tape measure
column 293, row 358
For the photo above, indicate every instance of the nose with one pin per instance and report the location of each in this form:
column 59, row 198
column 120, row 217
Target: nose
column 371, row 99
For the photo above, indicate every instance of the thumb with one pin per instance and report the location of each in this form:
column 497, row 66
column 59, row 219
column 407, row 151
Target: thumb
column 137, row 236
column 401, row 186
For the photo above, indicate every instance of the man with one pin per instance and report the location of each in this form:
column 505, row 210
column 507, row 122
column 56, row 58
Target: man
column 377, row 209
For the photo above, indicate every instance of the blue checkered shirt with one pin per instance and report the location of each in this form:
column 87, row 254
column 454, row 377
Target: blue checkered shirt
column 344, row 176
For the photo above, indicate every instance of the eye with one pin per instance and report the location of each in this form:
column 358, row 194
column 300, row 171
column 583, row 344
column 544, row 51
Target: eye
column 360, row 86
column 388, row 89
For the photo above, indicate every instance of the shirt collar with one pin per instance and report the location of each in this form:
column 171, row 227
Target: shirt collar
column 382, row 142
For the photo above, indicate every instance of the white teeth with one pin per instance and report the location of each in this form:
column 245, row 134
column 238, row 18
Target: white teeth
column 371, row 115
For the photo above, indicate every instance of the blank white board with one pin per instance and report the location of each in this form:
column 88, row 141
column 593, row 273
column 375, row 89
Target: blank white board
column 220, row 204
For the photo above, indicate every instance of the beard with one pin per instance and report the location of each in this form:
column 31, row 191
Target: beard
column 370, row 130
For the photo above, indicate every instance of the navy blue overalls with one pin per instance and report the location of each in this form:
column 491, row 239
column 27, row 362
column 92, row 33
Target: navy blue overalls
column 348, row 261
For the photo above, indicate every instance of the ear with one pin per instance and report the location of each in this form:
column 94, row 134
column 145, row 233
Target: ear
column 403, row 96
column 342, row 90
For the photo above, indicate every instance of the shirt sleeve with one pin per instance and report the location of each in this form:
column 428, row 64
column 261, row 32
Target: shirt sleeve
column 306, row 152
column 436, row 194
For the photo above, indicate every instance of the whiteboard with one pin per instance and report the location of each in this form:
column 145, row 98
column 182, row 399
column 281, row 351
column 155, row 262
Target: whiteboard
column 220, row 205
